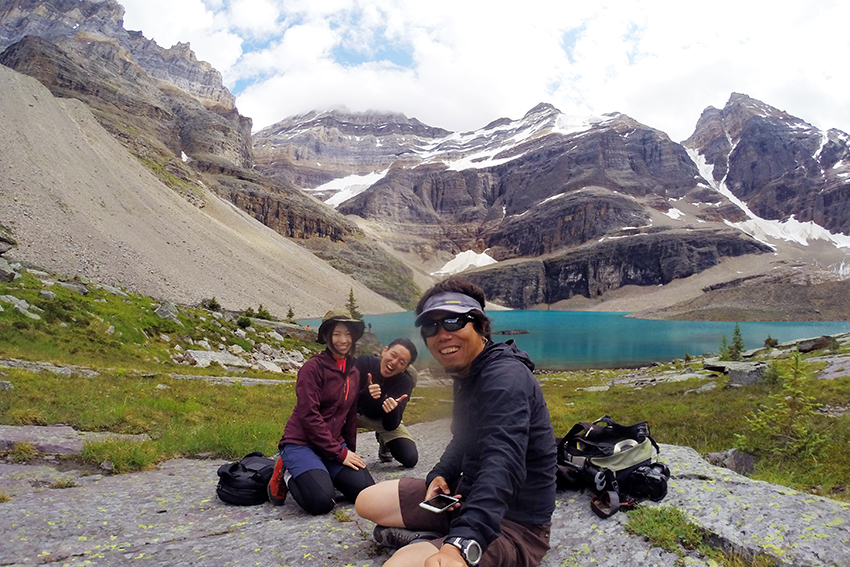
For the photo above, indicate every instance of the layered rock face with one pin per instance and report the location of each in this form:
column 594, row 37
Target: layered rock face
column 555, row 188
column 127, row 99
column 67, row 18
column 776, row 163
column 644, row 259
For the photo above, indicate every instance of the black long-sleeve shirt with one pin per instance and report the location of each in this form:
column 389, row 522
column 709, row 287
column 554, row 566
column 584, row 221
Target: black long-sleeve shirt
column 503, row 443
column 394, row 387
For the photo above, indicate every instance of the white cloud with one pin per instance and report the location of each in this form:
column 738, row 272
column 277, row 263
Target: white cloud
column 459, row 65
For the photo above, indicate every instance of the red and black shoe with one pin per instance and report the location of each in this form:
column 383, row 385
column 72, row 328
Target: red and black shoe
column 277, row 488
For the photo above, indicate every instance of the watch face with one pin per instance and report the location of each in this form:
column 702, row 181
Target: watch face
column 472, row 552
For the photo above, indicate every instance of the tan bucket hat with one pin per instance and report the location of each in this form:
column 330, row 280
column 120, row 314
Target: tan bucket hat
column 341, row 315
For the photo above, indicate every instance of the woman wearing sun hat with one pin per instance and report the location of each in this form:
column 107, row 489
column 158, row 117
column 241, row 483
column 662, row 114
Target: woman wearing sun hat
column 317, row 449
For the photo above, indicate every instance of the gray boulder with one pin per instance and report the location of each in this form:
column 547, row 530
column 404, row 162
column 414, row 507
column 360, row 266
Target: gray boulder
column 78, row 287
column 7, row 273
column 734, row 460
column 818, row 343
column 167, row 311
column 113, row 290
column 741, row 373
column 204, row 358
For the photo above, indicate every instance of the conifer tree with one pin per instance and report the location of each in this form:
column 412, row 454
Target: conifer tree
column 737, row 346
column 351, row 304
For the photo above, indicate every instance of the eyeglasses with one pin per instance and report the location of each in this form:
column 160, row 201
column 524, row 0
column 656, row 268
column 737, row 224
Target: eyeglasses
column 451, row 324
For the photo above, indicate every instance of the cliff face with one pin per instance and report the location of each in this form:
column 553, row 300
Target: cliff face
column 645, row 259
column 554, row 189
column 105, row 18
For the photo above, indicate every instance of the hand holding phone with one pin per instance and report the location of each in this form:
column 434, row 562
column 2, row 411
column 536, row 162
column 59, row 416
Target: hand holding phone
column 439, row 503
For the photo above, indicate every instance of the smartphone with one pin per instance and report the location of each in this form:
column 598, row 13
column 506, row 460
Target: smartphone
column 439, row 503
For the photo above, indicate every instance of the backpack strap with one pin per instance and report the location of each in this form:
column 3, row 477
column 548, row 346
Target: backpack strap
column 606, row 504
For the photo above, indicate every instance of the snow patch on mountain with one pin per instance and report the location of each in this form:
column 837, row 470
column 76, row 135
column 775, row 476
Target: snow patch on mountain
column 764, row 230
column 675, row 213
column 464, row 261
column 347, row 187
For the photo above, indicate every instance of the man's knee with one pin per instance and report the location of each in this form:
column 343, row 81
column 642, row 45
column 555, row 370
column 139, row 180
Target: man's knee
column 379, row 503
column 365, row 505
column 404, row 451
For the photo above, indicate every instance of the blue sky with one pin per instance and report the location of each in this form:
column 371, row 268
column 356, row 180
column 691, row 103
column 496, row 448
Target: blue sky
column 461, row 64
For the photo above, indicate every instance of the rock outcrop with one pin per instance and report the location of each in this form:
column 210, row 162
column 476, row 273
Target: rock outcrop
column 171, row 515
column 643, row 259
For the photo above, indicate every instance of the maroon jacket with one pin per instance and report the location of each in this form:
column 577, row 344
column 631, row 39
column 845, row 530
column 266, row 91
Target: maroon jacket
column 325, row 411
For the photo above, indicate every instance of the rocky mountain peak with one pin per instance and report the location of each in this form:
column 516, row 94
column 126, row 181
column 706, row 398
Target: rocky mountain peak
column 62, row 19
column 779, row 165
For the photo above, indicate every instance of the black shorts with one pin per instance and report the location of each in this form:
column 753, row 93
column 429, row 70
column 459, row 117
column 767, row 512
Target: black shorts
column 516, row 546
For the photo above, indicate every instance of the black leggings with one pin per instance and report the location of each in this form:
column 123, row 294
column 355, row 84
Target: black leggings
column 404, row 451
column 314, row 489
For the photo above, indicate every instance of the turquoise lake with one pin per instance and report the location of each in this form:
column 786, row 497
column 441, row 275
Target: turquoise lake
column 568, row 340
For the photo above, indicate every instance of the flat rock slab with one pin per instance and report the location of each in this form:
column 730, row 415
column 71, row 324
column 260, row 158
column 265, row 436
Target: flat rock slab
column 171, row 516
column 55, row 439
column 64, row 370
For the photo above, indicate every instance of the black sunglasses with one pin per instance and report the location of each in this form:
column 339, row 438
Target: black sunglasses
column 451, row 324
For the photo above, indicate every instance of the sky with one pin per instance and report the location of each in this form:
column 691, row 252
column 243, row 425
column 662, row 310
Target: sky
column 460, row 64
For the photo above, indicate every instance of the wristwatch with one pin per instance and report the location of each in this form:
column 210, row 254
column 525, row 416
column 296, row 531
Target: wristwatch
column 469, row 549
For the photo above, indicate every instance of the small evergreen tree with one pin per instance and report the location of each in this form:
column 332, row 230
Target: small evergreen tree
column 737, row 346
column 351, row 305
column 789, row 428
column 770, row 342
column 290, row 315
column 249, row 312
column 724, row 349
column 263, row 313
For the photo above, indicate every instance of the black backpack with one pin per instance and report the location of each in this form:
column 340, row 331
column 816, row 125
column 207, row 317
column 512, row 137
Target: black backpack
column 615, row 461
column 245, row 482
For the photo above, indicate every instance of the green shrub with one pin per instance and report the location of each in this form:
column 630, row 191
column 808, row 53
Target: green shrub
column 244, row 322
column 263, row 313
column 4, row 497
column 770, row 342
column 771, row 375
column 788, row 429
column 211, row 304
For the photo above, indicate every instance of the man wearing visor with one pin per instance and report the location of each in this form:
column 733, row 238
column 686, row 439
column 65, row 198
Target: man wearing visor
column 500, row 462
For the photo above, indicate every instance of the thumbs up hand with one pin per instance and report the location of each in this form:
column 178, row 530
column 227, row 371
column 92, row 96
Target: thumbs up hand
column 391, row 403
column 374, row 389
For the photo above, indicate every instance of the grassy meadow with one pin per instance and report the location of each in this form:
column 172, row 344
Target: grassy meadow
column 131, row 347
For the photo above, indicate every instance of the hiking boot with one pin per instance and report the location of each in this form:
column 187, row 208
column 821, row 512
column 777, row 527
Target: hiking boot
column 383, row 453
column 399, row 537
column 277, row 488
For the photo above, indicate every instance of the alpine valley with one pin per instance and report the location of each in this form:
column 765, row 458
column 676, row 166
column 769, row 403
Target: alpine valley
column 747, row 219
